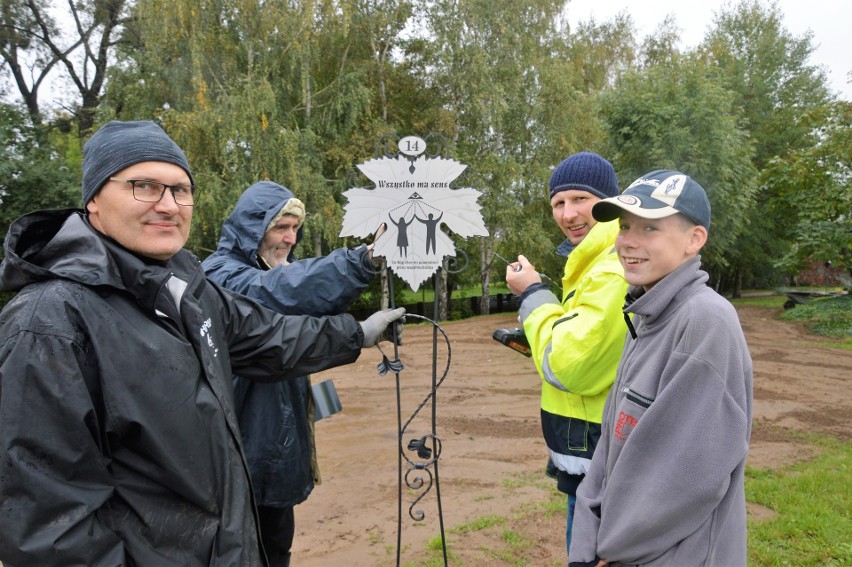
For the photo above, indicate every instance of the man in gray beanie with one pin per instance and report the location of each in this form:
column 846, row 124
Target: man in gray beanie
column 121, row 144
column 576, row 340
column 119, row 443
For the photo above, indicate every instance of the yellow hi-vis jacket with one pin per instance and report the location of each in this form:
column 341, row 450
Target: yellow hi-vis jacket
column 576, row 345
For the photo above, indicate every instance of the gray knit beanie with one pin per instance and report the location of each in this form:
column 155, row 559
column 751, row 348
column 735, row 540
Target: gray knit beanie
column 585, row 171
column 117, row 145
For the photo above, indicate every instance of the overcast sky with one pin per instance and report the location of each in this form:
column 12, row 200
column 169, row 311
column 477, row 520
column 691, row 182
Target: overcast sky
column 829, row 20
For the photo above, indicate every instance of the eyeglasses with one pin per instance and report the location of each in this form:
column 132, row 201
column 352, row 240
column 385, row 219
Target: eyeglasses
column 152, row 191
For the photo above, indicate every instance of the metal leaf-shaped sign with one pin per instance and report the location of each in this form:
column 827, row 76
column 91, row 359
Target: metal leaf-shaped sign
column 413, row 197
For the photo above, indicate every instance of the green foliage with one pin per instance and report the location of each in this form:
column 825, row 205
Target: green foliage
column 675, row 115
column 6, row 297
column 278, row 91
column 820, row 214
column 766, row 70
column 299, row 92
column 600, row 52
column 505, row 74
column 33, row 174
column 830, row 317
column 427, row 295
column 660, row 47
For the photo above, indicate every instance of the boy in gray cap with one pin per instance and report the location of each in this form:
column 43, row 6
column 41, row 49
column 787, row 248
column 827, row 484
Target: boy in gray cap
column 118, row 439
column 575, row 340
column 666, row 483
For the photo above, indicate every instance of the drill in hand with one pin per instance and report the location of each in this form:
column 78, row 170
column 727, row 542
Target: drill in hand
column 515, row 339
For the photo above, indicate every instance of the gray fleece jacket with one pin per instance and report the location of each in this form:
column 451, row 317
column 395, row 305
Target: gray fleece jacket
column 665, row 486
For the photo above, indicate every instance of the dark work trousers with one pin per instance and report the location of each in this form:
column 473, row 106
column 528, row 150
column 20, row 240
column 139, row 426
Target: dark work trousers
column 277, row 526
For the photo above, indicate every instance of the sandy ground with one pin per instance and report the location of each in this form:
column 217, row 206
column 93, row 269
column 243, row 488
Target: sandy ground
column 492, row 455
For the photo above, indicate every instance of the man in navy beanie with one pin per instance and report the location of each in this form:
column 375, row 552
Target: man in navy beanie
column 576, row 340
column 119, row 443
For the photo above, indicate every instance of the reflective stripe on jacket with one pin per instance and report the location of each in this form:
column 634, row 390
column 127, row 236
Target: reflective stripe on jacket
column 576, row 346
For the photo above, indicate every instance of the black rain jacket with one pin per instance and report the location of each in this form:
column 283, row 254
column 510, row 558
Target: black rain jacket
column 118, row 439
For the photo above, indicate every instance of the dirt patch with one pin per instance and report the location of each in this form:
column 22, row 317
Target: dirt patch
column 498, row 507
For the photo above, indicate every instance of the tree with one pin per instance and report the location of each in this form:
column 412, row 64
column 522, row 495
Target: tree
column 500, row 72
column 813, row 185
column 33, row 43
column 675, row 115
column 251, row 91
column 33, row 175
column 767, row 69
column 601, row 52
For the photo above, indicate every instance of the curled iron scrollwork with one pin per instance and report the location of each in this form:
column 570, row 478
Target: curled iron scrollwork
column 454, row 265
column 386, row 145
column 427, row 456
column 439, row 142
column 426, row 449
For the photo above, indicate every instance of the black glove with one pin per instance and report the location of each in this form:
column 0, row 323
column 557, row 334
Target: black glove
column 377, row 326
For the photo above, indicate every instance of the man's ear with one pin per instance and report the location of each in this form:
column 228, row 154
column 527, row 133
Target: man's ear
column 697, row 239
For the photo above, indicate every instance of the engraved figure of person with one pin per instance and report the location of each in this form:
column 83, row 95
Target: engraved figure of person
column 431, row 227
column 402, row 234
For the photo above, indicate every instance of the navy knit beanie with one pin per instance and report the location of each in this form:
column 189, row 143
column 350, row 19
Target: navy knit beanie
column 585, row 171
column 117, row 145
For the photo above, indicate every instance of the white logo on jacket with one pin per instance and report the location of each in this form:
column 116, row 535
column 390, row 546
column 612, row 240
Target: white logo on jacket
column 205, row 331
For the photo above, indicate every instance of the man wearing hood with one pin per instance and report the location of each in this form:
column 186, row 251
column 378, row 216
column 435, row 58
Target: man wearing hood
column 255, row 257
column 119, row 444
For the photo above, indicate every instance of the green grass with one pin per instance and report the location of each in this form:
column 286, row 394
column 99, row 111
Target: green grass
column 479, row 524
column 813, row 503
column 768, row 301
column 827, row 316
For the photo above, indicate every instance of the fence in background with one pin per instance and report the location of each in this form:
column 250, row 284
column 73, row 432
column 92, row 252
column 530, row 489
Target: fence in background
column 461, row 308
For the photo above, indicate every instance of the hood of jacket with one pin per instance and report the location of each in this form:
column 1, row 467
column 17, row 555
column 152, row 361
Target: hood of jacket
column 243, row 230
column 46, row 245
